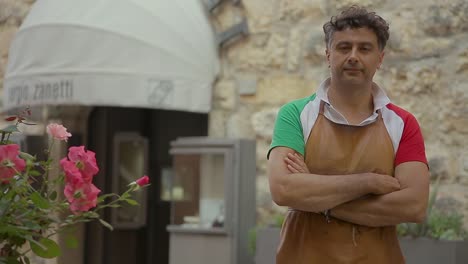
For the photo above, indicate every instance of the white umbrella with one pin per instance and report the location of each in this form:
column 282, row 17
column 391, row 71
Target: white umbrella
column 130, row 53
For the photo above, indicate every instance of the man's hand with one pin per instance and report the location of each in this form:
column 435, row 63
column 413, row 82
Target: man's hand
column 383, row 184
column 295, row 163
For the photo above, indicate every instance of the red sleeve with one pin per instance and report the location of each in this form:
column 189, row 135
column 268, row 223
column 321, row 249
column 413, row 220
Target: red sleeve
column 411, row 147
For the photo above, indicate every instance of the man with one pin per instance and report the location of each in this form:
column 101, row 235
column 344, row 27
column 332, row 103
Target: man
column 348, row 163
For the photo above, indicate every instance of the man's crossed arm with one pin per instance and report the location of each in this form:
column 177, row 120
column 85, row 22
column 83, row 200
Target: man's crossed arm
column 369, row 199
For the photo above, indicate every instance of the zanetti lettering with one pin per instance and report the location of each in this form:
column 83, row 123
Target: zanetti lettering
column 41, row 92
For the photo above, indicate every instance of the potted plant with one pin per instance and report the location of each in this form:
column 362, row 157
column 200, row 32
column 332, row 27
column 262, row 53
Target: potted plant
column 264, row 239
column 441, row 238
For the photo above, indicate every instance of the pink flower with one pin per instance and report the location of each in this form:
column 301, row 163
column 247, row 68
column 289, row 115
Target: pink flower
column 80, row 167
column 72, row 173
column 84, row 161
column 10, row 163
column 58, row 132
column 82, row 196
column 143, row 181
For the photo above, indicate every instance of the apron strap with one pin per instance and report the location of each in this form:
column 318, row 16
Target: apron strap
column 322, row 105
column 379, row 112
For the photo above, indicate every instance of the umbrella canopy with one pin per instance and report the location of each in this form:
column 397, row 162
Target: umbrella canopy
column 131, row 53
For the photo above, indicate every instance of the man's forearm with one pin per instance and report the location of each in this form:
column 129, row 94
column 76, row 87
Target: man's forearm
column 383, row 210
column 292, row 185
column 316, row 193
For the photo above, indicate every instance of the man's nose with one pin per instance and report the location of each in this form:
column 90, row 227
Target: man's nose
column 353, row 56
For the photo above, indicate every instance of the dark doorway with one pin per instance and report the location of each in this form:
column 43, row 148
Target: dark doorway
column 150, row 242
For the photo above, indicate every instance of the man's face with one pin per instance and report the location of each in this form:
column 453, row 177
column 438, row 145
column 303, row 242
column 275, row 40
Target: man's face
column 354, row 56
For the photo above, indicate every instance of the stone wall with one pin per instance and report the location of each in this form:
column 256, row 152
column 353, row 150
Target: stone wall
column 12, row 13
column 425, row 71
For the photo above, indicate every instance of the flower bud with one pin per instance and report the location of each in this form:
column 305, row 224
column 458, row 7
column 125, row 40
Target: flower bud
column 143, row 181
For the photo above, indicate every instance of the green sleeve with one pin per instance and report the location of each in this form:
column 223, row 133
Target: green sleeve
column 288, row 127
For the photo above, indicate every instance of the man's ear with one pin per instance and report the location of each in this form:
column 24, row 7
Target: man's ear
column 381, row 57
column 327, row 53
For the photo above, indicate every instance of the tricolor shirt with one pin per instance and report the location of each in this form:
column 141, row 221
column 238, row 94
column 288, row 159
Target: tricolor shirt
column 296, row 119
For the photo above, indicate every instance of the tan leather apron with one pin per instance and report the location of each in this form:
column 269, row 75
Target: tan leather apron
column 332, row 149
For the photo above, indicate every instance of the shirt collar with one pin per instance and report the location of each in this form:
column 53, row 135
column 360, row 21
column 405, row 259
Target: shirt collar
column 378, row 94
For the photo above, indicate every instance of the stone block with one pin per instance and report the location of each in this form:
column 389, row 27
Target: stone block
column 225, row 94
column 3, row 65
column 439, row 166
column 444, row 19
column 296, row 40
column 217, row 123
column 6, row 37
column 260, row 14
column 462, row 63
column 334, row 6
column 226, row 16
column 263, row 145
column 263, row 122
column 239, row 124
column 13, row 12
column 298, row 10
column 278, row 90
column 249, row 56
column 416, row 79
column 314, row 47
column 6, row 10
column 247, row 84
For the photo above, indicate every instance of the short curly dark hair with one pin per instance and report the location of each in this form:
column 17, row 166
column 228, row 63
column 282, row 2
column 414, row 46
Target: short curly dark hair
column 357, row 17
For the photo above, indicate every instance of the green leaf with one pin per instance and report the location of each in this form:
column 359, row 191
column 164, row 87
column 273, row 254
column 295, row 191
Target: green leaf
column 106, row 224
column 105, row 196
column 26, row 156
column 449, row 234
column 31, row 225
column 35, row 173
column 39, row 201
column 53, row 196
column 89, row 214
column 17, row 240
column 10, row 129
column 71, row 242
column 11, row 260
column 46, row 248
column 125, row 195
column 92, row 214
column 4, row 205
column 131, row 202
column 11, row 230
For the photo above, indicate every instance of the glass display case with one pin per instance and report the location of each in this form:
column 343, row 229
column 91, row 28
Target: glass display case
column 129, row 163
column 212, row 193
column 198, row 191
